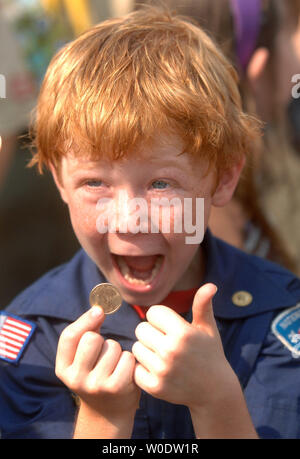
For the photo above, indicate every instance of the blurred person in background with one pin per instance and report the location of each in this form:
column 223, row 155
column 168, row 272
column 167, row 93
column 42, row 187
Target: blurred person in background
column 264, row 217
column 19, row 94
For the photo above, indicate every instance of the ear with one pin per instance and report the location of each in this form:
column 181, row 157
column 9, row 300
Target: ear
column 227, row 184
column 57, row 177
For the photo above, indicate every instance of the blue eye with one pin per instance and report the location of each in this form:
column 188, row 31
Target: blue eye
column 94, row 183
column 160, row 184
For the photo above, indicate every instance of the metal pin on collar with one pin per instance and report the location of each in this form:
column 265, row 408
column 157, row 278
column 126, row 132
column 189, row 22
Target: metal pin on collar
column 242, row 298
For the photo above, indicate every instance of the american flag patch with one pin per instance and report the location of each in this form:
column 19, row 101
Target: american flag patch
column 15, row 333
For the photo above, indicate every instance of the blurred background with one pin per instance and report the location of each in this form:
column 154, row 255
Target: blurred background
column 264, row 218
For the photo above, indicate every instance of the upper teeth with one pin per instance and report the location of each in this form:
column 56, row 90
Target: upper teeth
column 133, row 280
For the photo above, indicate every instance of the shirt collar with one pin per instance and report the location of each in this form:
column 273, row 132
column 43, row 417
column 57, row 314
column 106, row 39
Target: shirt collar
column 233, row 270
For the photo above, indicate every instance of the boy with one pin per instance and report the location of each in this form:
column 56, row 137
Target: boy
column 147, row 107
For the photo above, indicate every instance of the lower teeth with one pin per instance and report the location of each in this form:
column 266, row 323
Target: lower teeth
column 133, row 280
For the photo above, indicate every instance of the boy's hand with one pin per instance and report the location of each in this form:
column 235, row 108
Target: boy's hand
column 185, row 364
column 180, row 362
column 99, row 373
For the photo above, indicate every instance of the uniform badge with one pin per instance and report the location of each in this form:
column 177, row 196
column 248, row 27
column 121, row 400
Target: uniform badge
column 286, row 327
column 15, row 333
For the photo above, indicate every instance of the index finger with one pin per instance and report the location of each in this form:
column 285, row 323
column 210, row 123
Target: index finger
column 165, row 319
column 71, row 335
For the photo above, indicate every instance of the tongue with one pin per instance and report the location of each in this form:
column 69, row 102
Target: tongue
column 141, row 264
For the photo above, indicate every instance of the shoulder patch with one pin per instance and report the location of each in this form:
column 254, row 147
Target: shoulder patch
column 286, row 326
column 15, row 333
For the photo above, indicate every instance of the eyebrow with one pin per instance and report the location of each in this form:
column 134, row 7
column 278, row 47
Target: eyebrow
column 170, row 164
column 167, row 162
column 86, row 167
column 80, row 168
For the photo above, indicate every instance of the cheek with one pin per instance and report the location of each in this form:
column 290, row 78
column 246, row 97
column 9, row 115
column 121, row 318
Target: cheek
column 179, row 250
column 175, row 218
column 207, row 210
column 84, row 219
column 192, row 219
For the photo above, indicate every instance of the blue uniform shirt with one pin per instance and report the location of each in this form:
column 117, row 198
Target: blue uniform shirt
column 34, row 403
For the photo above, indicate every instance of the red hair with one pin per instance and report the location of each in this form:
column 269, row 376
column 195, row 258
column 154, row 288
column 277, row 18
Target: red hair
column 122, row 81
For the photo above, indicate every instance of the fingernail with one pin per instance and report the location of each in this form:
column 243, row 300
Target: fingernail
column 96, row 312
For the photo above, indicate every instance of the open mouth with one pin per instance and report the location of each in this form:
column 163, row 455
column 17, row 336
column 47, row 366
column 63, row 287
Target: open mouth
column 139, row 270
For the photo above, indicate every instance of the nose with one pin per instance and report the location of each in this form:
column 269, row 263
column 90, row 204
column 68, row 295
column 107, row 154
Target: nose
column 124, row 213
column 131, row 213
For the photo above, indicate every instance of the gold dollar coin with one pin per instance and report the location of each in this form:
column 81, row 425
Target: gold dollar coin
column 107, row 296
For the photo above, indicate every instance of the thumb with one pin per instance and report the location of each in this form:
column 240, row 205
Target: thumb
column 203, row 315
